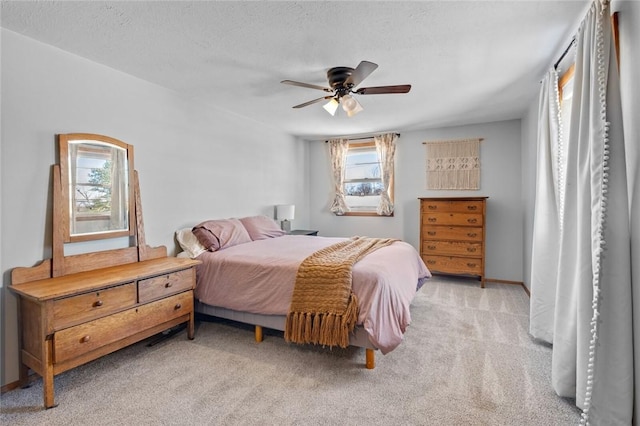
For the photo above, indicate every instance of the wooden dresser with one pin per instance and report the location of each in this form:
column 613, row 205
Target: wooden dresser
column 452, row 235
column 69, row 320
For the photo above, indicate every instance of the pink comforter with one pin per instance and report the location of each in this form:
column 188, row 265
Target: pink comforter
column 259, row 276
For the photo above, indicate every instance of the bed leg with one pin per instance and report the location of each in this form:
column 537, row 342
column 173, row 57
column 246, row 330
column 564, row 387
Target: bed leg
column 258, row 333
column 371, row 359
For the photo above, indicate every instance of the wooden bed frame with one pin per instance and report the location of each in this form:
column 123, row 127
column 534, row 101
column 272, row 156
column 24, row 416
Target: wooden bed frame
column 277, row 322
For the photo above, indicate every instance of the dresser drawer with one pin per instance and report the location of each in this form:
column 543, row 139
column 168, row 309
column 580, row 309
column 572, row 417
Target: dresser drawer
column 430, row 232
column 75, row 341
column 437, row 206
column 453, row 265
column 89, row 306
column 459, row 219
column 164, row 285
column 452, row 248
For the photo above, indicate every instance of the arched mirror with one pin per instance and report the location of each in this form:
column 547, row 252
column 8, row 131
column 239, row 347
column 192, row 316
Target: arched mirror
column 97, row 187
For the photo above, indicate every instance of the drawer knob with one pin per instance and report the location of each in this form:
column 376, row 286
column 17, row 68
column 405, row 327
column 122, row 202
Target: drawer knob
column 169, row 284
column 432, row 219
column 97, row 303
column 431, row 247
column 178, row 306
column 431, row 207
column 432, row 233
column 431, row 262
column 471, row 234
column 472, row 207
column 472, row 220
column 85, row 339
column 471, row 265
column 471, row 249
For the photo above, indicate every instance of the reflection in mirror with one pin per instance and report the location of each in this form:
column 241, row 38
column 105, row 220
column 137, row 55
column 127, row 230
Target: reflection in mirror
column 96, row 182
column 99, row 187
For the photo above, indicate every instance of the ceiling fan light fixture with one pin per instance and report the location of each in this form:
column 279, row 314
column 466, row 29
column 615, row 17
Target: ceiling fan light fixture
column 350, row 105
column 331, row 106
column 343, row 82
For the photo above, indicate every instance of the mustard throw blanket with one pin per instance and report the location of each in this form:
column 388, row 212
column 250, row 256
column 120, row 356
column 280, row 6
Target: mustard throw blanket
column 323, row 308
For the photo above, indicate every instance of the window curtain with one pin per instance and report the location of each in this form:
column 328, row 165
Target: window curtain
column 338, row 149
column 73, row 192
column 592, row 357
column 119, row 189
column 386, row 148
column 546, row 222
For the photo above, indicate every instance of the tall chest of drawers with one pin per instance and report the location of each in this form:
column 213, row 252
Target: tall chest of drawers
column 452, row 235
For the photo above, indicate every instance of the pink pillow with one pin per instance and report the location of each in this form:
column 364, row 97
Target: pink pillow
column 218, row 234
column 261, row 227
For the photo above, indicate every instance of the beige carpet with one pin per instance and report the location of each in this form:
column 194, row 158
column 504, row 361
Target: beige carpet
column 466, row 360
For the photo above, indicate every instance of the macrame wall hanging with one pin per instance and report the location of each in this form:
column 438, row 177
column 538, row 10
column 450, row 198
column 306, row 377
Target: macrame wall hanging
column 453, row 164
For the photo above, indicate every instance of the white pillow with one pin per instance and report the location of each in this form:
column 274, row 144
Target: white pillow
column 189, row 243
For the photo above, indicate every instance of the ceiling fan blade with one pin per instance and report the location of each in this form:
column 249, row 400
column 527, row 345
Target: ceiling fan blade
column 307, row 85
column 380, row 90
column 361, row 72
column 313, row 101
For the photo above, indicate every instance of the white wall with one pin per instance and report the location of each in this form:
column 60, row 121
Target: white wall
column 500, row 181
column 195, row 161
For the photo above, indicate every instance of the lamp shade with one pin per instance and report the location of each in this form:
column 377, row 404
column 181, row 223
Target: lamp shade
column 285, row 211
column 350, row 105
column 331, row 106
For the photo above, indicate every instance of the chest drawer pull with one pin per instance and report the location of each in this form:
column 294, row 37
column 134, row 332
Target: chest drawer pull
column 431, row 247
column 169, row 284
column 431, row 262
column 471, row 265
column 472, row 220
column 432, row 233
column 472, row 207
column 97, row 303
column 471, row 249
column 432, row 219
column 472, row 234
column 178, row 306
column 432, row 207
column 85, row 339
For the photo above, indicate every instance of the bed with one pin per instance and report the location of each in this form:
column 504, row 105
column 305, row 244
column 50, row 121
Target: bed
column 249, row 269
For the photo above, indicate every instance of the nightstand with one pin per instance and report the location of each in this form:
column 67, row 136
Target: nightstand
column 303, row 232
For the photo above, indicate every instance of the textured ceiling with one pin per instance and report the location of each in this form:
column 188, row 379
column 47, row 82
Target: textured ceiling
column 468, row 61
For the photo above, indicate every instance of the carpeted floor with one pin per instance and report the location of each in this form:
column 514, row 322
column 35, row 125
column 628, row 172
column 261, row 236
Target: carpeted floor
column 467, row 359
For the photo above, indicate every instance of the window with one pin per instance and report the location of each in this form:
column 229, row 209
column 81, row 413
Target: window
column 92, row 195
column 565, row 95
column 362, row 174
column 98, row 197
column 363, row 184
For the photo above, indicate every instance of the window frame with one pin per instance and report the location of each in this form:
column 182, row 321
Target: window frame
column 369, row 143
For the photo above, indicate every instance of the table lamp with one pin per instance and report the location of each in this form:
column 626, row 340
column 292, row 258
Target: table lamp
column 285, row 213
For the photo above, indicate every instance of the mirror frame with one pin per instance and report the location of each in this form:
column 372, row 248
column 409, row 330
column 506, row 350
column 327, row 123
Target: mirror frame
column 63, row 145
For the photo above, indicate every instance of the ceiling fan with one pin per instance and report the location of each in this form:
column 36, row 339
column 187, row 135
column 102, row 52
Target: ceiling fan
column 343, row 82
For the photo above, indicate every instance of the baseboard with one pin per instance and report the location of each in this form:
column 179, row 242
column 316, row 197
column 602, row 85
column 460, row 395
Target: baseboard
column 520, row 283
column 9, row 387
column 14, row 385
